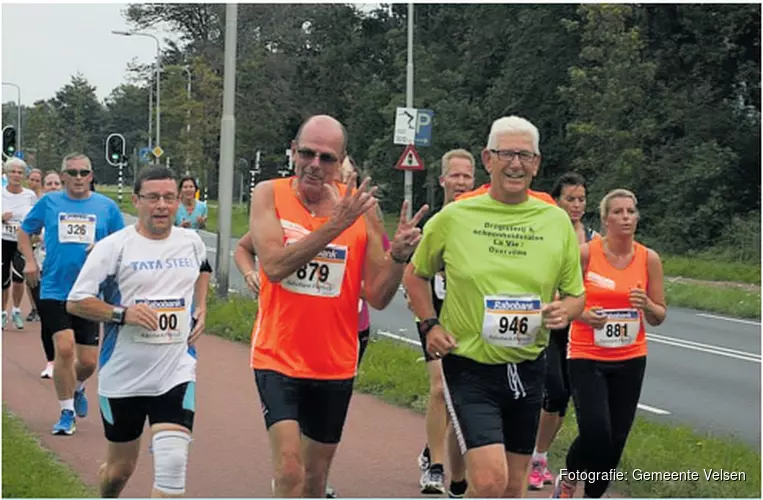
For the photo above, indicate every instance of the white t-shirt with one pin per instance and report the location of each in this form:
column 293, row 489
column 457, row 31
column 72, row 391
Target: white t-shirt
column 129, row 268
column 19, row 204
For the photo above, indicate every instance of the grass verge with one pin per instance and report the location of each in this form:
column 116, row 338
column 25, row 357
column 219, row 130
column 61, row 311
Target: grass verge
column 711, row 269
column 727, row 300
column 31, row 471
column 391, row 372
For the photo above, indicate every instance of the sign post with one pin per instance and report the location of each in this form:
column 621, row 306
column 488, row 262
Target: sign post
column 410, row 160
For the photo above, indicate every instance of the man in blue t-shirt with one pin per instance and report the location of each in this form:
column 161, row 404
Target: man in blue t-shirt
column 74, row 220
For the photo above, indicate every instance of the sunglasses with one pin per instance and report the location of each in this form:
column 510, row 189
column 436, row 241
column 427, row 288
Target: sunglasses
column 73, row 172
column 309, row 154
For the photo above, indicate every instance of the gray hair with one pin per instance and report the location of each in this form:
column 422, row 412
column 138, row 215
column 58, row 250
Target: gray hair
column 513, row 125
column 75, row 156
column 455, row 153
column 14, row 162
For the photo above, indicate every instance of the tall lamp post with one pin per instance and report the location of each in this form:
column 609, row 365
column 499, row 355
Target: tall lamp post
column 158, row 76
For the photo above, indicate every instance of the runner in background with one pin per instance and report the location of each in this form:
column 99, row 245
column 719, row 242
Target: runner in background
column 192, row 213
column 608, row 346
column 73, row 220
column 17, row 202
column 570, row 194
column 51, row 182
column 456, row 178
column 34, row 182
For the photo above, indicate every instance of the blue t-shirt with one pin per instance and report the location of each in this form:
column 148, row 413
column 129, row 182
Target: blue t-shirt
column 199, row 210
column 70, row 225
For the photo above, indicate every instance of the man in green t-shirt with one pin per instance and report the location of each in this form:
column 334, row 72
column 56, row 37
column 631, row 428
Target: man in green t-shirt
column 505, row 254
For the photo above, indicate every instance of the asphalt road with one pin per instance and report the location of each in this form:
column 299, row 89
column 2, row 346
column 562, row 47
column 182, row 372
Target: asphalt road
column 703, row 370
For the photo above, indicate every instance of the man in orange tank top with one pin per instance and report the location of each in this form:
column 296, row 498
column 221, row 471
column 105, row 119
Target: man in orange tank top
column 316, row 250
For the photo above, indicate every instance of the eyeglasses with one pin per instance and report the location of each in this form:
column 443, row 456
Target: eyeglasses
column 309, row 154
column 155, row 197
column 73, row 172
column 525, row 157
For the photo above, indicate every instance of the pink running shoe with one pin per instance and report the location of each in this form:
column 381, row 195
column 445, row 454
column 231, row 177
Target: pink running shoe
column 535, row 481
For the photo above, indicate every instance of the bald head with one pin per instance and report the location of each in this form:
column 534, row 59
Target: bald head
column 326, row 126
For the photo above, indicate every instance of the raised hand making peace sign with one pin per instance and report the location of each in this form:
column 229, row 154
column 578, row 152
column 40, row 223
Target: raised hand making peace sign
column 407, row 234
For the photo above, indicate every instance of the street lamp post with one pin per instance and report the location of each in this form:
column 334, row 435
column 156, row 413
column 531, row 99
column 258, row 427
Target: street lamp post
column 18, row 114
column 158, row 77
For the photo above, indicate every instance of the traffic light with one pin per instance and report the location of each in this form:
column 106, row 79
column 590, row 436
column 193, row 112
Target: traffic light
column 115, row 150
column 9, row 141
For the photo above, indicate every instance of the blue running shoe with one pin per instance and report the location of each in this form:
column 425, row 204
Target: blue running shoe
column 65, row 425
column 80, row 403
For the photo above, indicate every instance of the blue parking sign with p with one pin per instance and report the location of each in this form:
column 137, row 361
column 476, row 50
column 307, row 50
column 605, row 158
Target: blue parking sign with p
column 424, row 127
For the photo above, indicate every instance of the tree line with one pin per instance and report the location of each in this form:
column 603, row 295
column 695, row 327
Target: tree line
column 660, row 99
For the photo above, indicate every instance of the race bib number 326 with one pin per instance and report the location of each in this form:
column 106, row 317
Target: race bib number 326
column 173, row 318
column 76, row 228
column 322, row 276
column 511, row 321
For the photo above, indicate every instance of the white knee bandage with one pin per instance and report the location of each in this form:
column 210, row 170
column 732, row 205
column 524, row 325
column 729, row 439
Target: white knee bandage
column 170, row 450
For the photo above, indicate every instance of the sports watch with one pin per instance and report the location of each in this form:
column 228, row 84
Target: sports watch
column 118, row 315
column 427, row 324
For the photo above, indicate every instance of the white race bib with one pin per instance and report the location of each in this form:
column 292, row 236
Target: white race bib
column 11, row 229
column 174, row 322
column 322, row 276
column 76, row 228
column 621, row 329
column 511, row 321
column 439, row 286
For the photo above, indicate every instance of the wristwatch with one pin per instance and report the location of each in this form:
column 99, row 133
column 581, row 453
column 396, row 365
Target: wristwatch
column 427, row 324
column 118, row 315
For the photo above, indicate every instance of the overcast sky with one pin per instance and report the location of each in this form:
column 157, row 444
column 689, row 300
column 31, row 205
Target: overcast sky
column 43, row 45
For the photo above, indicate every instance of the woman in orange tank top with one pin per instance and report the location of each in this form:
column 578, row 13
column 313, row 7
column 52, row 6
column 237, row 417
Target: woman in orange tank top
column 607, row 346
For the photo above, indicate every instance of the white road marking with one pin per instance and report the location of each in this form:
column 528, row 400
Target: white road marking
column 735, row 320
column 707, row 348
column 652, row 409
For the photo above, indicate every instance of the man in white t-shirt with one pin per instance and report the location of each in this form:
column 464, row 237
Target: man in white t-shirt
column 154, row 279
column 17, row 202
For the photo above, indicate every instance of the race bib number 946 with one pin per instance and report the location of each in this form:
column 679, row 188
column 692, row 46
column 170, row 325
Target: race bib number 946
column 621, row 329
column 511, row 321
column 322, row 276
column 76, row 228
column 173, row 318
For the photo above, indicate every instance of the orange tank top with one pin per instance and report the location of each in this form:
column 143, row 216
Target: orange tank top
column 486, row 187
column 624, row 336
column 307, row 324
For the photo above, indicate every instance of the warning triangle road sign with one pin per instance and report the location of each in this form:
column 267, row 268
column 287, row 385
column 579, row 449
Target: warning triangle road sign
column 410, row 160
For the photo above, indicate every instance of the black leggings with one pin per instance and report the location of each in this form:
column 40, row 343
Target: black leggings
column 556, row 396
column 606, row 395
column 47, row 341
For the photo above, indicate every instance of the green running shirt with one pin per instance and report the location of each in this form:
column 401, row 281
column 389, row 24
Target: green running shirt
column 502, row 264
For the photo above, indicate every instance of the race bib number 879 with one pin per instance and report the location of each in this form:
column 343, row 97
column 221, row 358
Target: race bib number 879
column 322, row 276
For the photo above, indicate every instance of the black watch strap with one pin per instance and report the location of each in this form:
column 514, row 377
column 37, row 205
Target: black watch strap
column 427, row 324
